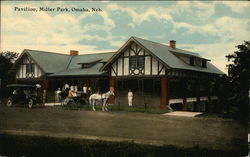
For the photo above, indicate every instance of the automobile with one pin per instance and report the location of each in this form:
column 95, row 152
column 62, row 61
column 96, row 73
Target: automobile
column 25, row 95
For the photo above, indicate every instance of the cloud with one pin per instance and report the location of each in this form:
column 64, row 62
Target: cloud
column 216, row 33
column 225, row 28
column 117, row 44
column 43, row 28
column 138, row 15
column 237, row 6
column 195, row 8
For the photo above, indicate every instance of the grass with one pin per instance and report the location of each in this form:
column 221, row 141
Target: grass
column 115, row 107
column 16, row 145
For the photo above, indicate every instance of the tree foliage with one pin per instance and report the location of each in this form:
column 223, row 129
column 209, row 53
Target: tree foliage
column 238, row 72
column 7, row 75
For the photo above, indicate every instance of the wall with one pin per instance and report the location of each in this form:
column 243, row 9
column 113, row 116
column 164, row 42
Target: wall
column 21, row 69
column 120, row 67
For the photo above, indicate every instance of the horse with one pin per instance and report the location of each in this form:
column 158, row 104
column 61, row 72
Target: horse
column 104, row 97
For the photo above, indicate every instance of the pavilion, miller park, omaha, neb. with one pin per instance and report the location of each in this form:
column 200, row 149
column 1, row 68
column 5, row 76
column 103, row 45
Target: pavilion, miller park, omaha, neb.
column 157, row 74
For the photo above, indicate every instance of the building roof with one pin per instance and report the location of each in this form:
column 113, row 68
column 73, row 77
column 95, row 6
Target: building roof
column 75, row 69
column 49, row 62
column 66, row 65
column 168, row 56
column 93, row 70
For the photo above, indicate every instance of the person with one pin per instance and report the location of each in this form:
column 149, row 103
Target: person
column 58, row 95
column 84, row 88
column 70, row 93
column 66, row 86
column 130, row 98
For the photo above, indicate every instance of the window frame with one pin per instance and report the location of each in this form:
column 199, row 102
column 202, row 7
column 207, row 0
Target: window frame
column 137, row 62
column 191, row 61
column 30, row 68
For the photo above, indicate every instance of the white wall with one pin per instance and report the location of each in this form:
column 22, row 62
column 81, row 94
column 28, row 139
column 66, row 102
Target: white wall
column 147, row 67
column 21, row 70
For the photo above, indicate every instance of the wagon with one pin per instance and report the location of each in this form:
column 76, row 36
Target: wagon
column 80, row 99
column 24, row 95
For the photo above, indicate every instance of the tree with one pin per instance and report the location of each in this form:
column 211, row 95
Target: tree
column 238, row 75
column 7, row 75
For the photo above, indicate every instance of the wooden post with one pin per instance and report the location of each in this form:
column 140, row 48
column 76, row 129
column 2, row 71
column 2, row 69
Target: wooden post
column 184, row 94
column 184, row 108
column 112, row 83
column 197, row 93
column 164, row 93
column 45, row 84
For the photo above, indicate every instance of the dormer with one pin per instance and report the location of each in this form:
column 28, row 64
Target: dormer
column 204, row 63
column 191, row 61
column 90, row 64
column 85, row 65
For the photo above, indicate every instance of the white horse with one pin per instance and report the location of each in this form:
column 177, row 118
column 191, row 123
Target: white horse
column 104, row 97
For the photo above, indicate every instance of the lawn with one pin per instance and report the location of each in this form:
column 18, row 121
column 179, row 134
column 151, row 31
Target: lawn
column 123, row 108
column 13, row 145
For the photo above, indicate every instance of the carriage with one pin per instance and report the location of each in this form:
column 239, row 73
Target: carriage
column 86, row 99
column 79, row 99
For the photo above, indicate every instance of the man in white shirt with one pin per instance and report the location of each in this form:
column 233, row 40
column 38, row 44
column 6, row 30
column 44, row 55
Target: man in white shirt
column 130, row 98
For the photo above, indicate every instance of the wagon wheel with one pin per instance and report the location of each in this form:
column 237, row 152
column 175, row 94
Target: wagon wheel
column 30, row 104
column 9, row 102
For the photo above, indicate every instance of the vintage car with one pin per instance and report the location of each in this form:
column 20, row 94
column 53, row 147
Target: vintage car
column 25, row 95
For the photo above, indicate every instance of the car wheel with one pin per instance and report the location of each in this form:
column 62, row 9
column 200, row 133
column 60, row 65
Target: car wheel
column 30, row 104
column 9, row 102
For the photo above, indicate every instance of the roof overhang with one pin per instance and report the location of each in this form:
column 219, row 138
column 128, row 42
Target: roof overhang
column 126, row 45
column 25, row 52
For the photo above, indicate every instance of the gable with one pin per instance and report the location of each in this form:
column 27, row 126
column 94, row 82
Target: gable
column 48, row 61
column 167, row 56
column 28, row 68
column 135, row 60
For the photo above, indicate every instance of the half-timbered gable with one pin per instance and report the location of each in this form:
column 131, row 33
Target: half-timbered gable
column 134, row 60
column 28, row 68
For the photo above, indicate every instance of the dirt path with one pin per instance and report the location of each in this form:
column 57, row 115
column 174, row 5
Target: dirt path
column 125, row 126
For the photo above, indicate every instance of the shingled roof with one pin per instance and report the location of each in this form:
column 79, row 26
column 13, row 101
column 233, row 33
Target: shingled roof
column 167, row 56
column 56, row 64
column 74, row 67
column 49, row 62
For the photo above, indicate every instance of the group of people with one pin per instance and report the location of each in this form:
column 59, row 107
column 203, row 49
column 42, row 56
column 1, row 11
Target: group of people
column 72, row 91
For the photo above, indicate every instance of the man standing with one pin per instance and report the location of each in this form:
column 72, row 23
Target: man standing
column 58, row 96
column 130, row 98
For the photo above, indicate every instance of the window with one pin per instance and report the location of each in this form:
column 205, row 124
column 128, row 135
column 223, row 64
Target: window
column 137, row 62
column 85, row 65
column 204, row 63
column 133, row 64
column 30, row 68
column 191, row 61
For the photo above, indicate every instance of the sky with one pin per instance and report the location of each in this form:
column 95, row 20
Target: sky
column 210, row 28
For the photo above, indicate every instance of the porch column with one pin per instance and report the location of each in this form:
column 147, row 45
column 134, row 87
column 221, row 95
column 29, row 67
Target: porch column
column 184, row 94
column 45, row 84
column 111, row 88
column 112, row 84
column 197, row 94
column 164, row 93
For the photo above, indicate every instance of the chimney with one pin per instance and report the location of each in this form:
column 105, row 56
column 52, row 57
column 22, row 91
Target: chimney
column 73, row 53
column 172, row 43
